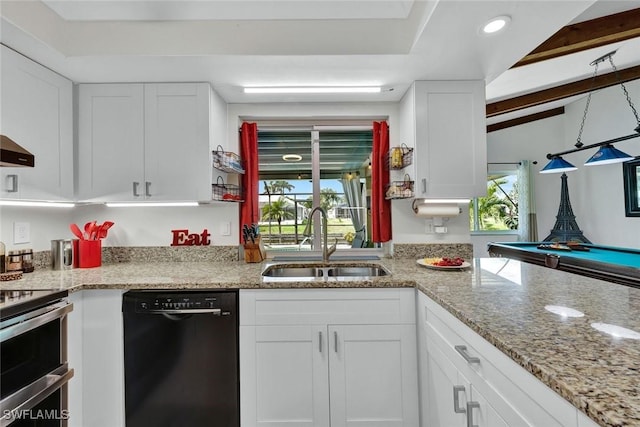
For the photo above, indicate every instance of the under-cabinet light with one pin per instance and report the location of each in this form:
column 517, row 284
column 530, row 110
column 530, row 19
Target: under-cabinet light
column 313, row 89
column 149, row 204
column 38, row 204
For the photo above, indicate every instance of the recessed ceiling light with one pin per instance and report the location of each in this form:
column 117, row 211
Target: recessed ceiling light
column 292, row 157
column 313, row 89
column 496, row 24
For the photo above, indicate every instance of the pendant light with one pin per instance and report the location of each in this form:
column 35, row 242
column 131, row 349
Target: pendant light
column 607, row 153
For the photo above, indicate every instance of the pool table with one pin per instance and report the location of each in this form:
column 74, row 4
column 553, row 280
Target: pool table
column 618, row 265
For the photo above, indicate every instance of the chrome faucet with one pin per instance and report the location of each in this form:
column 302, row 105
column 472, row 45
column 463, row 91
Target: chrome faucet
column 326, row 252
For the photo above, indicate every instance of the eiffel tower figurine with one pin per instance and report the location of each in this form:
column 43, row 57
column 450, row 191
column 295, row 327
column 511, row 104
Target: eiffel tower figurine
column 566, row 228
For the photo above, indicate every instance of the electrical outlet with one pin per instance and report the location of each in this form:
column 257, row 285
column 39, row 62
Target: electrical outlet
column 21, row 232
column 225, row 228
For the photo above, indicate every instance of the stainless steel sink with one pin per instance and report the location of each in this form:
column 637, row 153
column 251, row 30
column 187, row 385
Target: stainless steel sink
column 306, row 272
column 294, row 272
column 363, row 271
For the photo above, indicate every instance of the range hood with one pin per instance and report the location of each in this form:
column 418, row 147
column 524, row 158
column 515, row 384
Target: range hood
column 12, row 154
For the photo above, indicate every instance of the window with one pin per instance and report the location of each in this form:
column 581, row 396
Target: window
column 498, row 210
column 303, row 168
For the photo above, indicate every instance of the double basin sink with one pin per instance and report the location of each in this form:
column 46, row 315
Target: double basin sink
column 295, row 272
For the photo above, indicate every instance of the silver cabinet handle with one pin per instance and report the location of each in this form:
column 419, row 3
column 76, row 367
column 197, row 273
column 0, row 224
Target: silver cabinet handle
column 424, row 185
column 13, row 188
column 30, row 395
column 462, row 349
column 147, row 188
column 135, row 189
column 335, row 341
column 27, row 323
column 320, row 341
column 456, row 400
column 470, row 407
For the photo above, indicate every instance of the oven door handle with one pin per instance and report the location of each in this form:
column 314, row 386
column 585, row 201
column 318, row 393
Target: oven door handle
column 32, row 394
column 32, row 323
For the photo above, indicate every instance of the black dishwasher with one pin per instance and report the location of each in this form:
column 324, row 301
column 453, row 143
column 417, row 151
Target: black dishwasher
column 181, row 358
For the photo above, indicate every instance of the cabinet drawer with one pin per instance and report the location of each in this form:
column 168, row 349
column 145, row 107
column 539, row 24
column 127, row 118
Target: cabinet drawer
column 508, row 386
column 337, row 306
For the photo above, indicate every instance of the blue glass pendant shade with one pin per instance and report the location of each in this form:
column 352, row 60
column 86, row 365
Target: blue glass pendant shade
column 606, row 155
column 558, row 165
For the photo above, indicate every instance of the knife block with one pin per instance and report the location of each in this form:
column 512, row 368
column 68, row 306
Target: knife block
column 254, row 252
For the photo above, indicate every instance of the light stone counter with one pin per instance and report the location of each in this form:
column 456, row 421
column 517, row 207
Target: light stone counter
column 502, row 300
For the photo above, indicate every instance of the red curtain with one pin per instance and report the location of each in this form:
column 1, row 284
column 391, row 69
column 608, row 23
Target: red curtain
column 380, row 207
column 249, row 210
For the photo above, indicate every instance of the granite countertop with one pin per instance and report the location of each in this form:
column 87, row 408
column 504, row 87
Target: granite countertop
column 502, row 300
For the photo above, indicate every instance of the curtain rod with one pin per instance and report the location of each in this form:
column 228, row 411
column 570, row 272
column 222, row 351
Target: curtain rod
column 504, row 163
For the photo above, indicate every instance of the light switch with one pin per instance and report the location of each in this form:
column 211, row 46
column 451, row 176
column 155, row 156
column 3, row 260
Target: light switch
column 21, row 232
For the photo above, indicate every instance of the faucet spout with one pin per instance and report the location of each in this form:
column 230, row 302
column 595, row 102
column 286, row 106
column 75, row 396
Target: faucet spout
column 326, row 252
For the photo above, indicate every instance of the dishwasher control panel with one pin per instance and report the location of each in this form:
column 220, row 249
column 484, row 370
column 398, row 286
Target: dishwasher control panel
column 220, row 303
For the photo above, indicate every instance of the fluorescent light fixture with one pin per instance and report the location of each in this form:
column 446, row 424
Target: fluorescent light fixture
column 557, row 165
column 292, row 157
column 149, row 204
column 313, row 89
column 38, row 204
column 496, row 24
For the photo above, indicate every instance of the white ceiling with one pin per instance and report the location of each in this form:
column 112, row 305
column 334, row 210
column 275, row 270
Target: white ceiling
column 234, row 43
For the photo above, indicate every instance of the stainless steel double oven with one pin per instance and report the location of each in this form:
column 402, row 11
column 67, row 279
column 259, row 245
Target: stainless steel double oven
column 34, row 366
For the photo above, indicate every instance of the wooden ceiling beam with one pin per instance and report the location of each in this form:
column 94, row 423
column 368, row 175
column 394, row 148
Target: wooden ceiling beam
column 525, row 119
column 564, row 91
column 587, row 35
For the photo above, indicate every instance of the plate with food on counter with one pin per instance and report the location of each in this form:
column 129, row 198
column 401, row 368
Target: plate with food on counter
column 444, row 263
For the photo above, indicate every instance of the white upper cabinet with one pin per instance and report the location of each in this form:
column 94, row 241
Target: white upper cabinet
column 37, row 113
column 445, row 121
column 144, row 142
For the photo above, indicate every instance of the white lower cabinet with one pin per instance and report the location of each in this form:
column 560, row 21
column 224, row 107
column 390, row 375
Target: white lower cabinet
column 306, row 359
column 466, row 381
column 96, row 353
column 453, row 400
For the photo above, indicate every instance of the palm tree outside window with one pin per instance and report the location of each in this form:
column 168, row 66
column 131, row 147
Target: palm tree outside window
column 498, row 210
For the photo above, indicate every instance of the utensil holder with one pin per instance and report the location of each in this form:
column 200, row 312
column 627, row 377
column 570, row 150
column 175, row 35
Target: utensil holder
column 88, row 253
column 254, row 252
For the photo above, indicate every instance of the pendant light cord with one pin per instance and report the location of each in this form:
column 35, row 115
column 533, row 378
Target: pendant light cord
column 579, row 143
column 626, row 94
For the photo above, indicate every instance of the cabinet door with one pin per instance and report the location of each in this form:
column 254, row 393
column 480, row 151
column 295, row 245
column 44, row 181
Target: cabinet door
column 96, row 353
column 451, row 146
column 284, row 378
column 444, row 392
column 373, row 375
column 482, row 414
column 110, row 142
column 37, row 114
column 177, row 156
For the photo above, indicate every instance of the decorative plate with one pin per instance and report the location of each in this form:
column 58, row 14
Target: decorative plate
column 425, row 264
